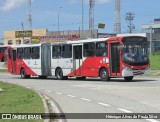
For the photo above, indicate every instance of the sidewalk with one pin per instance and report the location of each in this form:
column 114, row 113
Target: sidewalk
column 3, row 65
column 153, row 73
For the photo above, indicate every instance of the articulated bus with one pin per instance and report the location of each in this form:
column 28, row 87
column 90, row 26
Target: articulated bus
column 122, row 56
column 2, row 52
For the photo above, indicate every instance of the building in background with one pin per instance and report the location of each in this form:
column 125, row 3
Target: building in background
column 16, row 37
column 152, row 31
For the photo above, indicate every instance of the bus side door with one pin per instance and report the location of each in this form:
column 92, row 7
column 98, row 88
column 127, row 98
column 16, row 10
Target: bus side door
column 77, row 60
column 115, row 59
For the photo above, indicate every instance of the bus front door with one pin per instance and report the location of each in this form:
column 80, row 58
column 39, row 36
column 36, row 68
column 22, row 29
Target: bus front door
column 13, row 61
column 115, row 59
column 77, row 60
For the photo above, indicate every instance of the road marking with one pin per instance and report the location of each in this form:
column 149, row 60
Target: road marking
column 47, row 91
column 104, row 104
column 71, row 96
column 152, row 120
column 124, row 110
column 86, row 99
column 58, row 93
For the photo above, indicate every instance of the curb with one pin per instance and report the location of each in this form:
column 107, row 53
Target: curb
column 46, row 110
column 52, row 107
column 55, row 108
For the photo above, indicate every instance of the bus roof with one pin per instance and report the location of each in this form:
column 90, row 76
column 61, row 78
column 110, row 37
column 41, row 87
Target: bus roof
column 25, row 45
column 87, row 40
column 3, row 45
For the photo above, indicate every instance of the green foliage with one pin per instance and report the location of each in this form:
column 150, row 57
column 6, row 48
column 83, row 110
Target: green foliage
column 17, row 99
column 3, row 70
column 155, row 61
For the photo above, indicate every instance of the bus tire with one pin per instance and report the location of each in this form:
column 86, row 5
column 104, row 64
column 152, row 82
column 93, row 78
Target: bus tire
column 128, row 78
column 59, row 75
column 104, row 74
column 23, row 74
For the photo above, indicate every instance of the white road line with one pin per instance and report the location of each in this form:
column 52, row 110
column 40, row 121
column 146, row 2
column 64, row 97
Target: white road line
column 151, row 120
column 71, row 96
column 58, row 93
column 124, row 110
column 86, row 99
column 104, row 104
column 47, row 91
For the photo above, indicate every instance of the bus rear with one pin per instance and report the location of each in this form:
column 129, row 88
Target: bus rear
column 2, row 53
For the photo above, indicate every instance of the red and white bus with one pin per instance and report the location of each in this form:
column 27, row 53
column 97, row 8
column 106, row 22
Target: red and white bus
column 2, row 52
column 123, row 56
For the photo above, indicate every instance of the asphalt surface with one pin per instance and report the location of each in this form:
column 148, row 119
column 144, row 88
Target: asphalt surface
column 142, row 95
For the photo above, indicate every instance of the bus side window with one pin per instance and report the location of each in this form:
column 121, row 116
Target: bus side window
column 101, row 49
column 56, row 51
column 3, row 49
column 89, row 49
column 35, row 53
column 19, row 53
column 66, row 51
column 27, row 53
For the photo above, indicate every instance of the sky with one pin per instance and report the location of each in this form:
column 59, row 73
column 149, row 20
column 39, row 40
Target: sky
column 45, row 14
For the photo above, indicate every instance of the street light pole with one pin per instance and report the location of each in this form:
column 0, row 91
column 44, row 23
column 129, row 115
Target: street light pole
column 82, row 17
column 58, row 20
column 150, row 39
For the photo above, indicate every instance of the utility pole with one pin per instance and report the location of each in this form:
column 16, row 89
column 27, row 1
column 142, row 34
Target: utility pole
column 29, row 18
column 117, row 24
column 91, row 16
column 130, row 17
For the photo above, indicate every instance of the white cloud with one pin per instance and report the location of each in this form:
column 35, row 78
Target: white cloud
column 11, row 4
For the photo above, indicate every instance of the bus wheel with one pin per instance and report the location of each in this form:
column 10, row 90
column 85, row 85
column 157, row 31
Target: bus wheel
column 59, row 74
column 23, row 74
column 81, row 78
column 128, row 78
column 3, row 59
column 104, row 75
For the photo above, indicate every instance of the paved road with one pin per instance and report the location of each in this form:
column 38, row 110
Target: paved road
column 142, row 95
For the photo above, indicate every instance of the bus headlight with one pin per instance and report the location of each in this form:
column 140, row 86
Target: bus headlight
column 127, row 68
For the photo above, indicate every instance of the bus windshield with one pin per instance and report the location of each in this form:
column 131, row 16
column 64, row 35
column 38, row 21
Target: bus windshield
column 135, row 50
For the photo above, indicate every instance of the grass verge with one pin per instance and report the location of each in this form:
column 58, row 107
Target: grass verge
column 17, row 99
column 155, row 61
column 3, row 70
